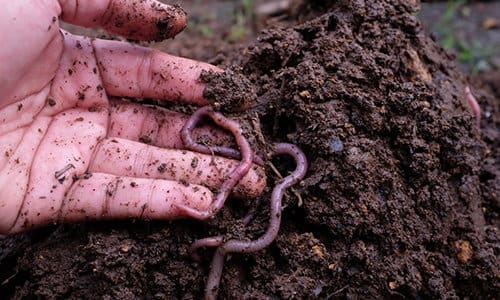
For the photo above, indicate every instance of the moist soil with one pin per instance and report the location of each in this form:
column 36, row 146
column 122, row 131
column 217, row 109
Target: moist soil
column 400, row 200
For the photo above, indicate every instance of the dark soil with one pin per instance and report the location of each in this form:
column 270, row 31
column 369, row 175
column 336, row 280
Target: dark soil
column 228, row 91
column 488, row 85
column 400, row 201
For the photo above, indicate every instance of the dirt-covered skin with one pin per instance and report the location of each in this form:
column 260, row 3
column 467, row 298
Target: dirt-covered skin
column 397, row 202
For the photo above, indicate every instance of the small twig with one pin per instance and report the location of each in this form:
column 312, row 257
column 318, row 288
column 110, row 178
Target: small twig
column 337, row 292
column 6, row 281
column 297, row 194
column 255, row 120
column 60, row 174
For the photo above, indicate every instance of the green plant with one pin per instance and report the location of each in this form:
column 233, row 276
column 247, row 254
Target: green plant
column 242, row 18
column 470, row 53
column 445, row 25
column 200, row 25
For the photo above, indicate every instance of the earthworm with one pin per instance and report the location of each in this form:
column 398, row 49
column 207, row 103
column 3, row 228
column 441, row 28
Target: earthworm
column 219, row 119
column 251, row 213
column 240, row 246
column 474, row 106
column 213, row 241
column 239, row 172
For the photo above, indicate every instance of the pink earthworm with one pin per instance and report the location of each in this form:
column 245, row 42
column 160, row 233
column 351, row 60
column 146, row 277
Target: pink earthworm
column 213, row 241
column 474, row 106
column 219, row 119
column 239, row 246
column 239, row 172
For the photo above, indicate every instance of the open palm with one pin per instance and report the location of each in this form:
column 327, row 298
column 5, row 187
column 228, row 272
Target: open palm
column 69, row 148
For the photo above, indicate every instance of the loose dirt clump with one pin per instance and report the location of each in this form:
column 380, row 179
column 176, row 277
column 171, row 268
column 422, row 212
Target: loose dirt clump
column 229, row 91
column 397, row 202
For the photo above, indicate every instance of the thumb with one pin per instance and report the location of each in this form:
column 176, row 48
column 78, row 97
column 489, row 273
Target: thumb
column 146, row 20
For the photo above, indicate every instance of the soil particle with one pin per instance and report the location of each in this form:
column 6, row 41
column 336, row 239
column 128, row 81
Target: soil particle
column 145, row 139
column 228, row 91
column 464, row 250
column 400, row 201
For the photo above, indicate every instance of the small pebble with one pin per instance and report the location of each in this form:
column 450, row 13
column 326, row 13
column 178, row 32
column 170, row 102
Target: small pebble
column 464, row 250
column 318, row 290
column 318, row 251
column 392, row 285
column 336, row 145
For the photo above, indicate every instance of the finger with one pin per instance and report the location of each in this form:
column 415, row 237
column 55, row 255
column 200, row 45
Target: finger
column 134, row 19
column 157, row 126
column 132, row 159
column 134, row 71
column 104, row 196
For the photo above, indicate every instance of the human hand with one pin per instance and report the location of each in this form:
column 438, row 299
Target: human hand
column 69, row 149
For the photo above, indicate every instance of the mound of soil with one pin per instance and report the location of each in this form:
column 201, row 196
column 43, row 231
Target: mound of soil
column 397, row 203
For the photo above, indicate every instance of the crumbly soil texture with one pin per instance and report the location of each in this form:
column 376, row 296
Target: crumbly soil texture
column 400, row 200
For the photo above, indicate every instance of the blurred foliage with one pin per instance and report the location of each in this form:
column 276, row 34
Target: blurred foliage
column 234, row 22
column 242, row 21
column 472, row 53
column 200, row 24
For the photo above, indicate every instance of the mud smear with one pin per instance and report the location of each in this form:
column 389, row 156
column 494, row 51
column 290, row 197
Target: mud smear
column 398, row 201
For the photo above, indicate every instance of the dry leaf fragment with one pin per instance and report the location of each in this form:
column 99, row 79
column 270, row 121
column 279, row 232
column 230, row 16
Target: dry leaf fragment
column 490, row 23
